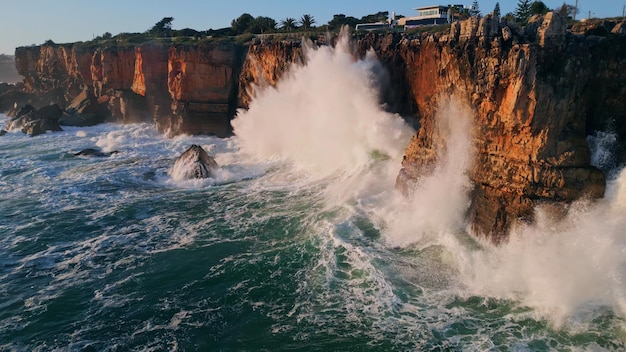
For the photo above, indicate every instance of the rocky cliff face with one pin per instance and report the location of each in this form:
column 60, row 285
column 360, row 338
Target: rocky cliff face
column 265, row 63
column 535, row 94
column 182, row 88
column 202, row 82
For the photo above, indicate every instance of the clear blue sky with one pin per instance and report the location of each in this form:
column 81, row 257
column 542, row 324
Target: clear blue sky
column 26, row 22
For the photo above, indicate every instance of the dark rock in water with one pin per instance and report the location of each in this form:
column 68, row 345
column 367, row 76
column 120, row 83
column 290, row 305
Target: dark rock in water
column 84, row 110
column 94, row 152
column 194, row 163
column 35, row 122
column 51, row 111
column 20, row 115
column 2, row 132
column 41, row 126
column 126, row 106
column 149, row 176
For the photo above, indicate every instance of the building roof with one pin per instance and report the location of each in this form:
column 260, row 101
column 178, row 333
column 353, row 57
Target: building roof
column 436, row 7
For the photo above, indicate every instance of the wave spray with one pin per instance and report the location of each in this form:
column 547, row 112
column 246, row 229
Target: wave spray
column 325, row 117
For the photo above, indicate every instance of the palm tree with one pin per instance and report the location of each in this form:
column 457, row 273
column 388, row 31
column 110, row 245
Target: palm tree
column 307, row 21
column 288, row 23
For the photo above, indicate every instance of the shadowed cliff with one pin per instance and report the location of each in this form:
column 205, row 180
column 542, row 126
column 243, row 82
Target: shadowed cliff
column 182, row 88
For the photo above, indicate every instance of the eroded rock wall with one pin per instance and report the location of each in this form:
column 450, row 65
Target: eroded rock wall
column 265, row 63
column 183, row 88
column 202, row 81
column 532, row 95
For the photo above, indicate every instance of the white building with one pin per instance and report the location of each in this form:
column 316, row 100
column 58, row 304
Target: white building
column 432, row 15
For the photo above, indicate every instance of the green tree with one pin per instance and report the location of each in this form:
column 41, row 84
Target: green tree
column 163, row 28
column 242, row 23
column 307, row 21
column 522, row 12
column 568, row 11
column 341, row 20
column 262, row 24
column 538, row 8
column 107, row 36
column 474, row 10
column 288, row 23
column 496, row 10
column 380, row 16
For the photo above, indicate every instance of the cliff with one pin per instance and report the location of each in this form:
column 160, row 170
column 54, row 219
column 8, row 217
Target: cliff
column 182, row 88
column 535, row 94
column 264, row 64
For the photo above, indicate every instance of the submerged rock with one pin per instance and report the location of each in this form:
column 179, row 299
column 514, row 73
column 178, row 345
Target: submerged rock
column 94, row 152
column 195, row 162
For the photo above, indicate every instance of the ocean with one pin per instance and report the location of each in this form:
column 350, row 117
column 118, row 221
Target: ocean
column 300, row 241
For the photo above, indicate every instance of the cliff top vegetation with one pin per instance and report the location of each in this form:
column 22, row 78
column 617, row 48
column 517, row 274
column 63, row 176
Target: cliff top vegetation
column 246, row 27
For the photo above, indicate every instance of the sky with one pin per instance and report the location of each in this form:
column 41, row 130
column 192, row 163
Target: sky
column 27, row 22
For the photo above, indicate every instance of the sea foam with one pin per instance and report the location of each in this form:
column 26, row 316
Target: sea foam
column 326, row 119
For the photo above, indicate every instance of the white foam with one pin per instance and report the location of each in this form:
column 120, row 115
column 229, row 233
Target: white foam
column 602, row 145
column 324, row 118
column 565, row 269
column 437, row 203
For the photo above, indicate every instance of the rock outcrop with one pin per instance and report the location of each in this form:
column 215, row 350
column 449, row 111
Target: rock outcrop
column 35, row 122
column 194, row 163
column 85, row 110
column 94, row 152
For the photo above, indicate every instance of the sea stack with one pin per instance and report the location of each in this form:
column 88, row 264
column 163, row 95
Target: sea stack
column 194, row 163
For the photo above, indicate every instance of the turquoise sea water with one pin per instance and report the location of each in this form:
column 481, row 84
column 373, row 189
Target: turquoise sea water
column 111, row 254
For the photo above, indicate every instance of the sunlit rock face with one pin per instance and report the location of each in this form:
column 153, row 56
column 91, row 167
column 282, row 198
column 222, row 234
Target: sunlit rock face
column 264, row 65
column 534, row 94
column 194, row 163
